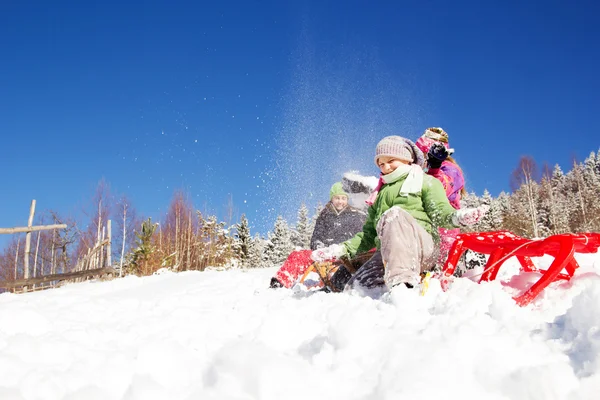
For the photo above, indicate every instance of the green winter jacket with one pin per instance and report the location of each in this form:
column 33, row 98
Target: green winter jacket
column 430, row 208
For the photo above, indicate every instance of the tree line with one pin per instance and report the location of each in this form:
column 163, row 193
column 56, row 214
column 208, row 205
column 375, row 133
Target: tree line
column 183, row 239
column 541, row 203
column 546, row 202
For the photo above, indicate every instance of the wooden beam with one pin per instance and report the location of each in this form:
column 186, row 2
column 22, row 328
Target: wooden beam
column 32, row 228
column 57, row 277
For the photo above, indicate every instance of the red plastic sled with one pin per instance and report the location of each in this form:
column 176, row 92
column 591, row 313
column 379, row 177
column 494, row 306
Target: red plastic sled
column 501, row 245
column 293, row 267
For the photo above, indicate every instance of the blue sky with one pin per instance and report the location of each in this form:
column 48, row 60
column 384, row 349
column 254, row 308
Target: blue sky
column 269, row 102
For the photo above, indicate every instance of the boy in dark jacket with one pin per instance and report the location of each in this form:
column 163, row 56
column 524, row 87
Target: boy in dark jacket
column 338, row 221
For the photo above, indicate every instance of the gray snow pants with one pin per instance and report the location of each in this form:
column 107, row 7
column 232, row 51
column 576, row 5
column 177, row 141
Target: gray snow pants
column 406, row 251
column 406, row 247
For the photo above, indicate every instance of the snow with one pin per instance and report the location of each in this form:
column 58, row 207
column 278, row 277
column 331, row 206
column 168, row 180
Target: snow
column 225, row 335
column 369, row 181
column 358, row 200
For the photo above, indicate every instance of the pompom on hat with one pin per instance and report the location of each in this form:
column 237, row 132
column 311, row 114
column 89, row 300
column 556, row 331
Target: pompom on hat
column 399, row 148
column 432, row 136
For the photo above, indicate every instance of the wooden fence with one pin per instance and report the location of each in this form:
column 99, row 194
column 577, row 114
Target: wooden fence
column 96, row 263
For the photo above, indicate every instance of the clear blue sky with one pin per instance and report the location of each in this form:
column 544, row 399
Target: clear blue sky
column 269, row 101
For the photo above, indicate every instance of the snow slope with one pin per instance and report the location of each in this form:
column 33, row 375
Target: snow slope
column 224, row 335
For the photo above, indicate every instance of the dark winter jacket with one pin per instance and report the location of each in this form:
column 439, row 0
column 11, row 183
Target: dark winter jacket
column 333, row 227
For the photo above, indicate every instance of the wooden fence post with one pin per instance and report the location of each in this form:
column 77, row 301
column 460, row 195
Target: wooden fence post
column 17, row 256
column 95, row 259
column 35, row 257
column 108, row 247
column 101, row 253
column 28, row 239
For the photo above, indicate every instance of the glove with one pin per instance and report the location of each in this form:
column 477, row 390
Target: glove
column 436, row 155
column 332, row 252
column 469, row 216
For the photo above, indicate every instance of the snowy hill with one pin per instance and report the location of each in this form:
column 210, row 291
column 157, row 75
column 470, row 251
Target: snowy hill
column 224, row 335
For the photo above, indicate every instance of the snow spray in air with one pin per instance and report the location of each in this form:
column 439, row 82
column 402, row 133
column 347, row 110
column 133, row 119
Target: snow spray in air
column 337, row 108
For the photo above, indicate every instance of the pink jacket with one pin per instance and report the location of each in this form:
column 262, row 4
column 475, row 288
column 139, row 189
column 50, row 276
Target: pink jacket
column 452, row 179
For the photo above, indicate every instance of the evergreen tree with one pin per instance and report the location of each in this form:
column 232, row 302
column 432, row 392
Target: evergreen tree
column 256, row 252
column 485, row 223
column 580, row 218
column 546, row 208
column 242, row 240
column 558, row 200
column 313, row 221
column 557, row 175
column 217, row 245
column 589, row 171
column 279, row 245
column 141, row 259
column 503, row 204
column 470, row 200
column 303, row 231
column 492, row 220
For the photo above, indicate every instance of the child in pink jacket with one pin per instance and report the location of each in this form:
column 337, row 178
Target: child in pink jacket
column 434, row 144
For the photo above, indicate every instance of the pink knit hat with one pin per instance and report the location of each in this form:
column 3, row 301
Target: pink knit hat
column 432, row 136
column 400, row 148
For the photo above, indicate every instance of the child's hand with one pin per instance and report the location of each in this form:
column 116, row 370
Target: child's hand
column 469, row 216
column 332, row 252
column 436, row 155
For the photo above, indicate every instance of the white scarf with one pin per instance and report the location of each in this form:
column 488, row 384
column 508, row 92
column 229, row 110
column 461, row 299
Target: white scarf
column 414, row 178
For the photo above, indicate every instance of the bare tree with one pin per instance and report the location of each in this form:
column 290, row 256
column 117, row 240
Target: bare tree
column 127, row 220
column 98, row 214
column 63, row 240
column 526, row 176
column 177, row 233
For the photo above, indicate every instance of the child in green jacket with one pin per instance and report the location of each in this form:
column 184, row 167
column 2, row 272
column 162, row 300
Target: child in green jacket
column 405, row 211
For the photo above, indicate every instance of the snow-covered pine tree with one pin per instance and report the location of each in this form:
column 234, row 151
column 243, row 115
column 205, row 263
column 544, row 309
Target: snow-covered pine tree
column 547, row 208
column 591, row 192
column 303, row 231
column 485, row 200
column 580, row 218
column 313, row 221
column 503, row 201
column 560, row 203
column 279, row 245
column 256, row 252
column 492, row 220
column 546, row 212
column 470, row 200
column 242, row 240
column 217, row 244
column 589, row 171
column 557, row 175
